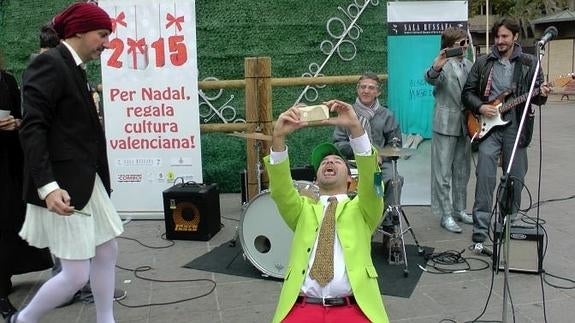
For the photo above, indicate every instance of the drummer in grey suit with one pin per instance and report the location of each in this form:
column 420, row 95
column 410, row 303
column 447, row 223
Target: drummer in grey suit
column 383, row 131
column 450, row 146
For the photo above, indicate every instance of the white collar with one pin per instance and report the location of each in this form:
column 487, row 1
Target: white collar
column 75, row 55
column 339, row 197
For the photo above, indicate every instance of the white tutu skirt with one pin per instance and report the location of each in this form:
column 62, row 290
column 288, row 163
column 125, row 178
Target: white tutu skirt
column 74, row 237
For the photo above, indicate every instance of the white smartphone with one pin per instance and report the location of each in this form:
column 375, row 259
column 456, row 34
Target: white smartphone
column 314, row 112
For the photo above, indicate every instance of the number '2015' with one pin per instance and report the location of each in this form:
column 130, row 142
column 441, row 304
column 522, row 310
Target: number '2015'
column 176, row 48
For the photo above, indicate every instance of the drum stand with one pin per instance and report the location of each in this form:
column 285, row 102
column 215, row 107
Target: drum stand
column 259, row 168
column 396, row 253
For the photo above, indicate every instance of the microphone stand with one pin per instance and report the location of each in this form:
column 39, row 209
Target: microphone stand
column 506, row 201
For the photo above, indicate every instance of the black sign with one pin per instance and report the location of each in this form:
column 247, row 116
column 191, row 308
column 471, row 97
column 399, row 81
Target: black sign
column 422, row 27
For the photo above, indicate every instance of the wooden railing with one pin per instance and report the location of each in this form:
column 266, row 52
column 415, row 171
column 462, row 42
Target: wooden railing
column 257, row 84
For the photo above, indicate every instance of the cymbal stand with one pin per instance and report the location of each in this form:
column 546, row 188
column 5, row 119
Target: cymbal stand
column 397, row 254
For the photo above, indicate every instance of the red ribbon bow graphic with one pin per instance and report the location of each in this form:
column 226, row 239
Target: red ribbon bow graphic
column 172, row 20
column 119, row 20
column 139, row 44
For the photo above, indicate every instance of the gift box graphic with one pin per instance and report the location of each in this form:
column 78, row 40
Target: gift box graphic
column 137, row 53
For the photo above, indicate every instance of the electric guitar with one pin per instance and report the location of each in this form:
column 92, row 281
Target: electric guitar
column 479, row 126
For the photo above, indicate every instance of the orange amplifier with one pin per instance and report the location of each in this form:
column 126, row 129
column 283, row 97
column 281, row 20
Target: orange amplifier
column 192, row 211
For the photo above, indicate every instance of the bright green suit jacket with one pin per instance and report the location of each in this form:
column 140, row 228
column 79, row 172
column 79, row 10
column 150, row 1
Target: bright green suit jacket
column 356, row 220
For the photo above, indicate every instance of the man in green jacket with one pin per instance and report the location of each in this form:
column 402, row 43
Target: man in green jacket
column 337, row 283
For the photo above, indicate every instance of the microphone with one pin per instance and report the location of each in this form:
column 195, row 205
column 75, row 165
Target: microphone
column 549, row 33
column 479, row 249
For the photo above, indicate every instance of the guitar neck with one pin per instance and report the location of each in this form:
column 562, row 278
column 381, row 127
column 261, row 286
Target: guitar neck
column 513, row 103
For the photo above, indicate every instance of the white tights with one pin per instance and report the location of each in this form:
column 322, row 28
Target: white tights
column 74, row 275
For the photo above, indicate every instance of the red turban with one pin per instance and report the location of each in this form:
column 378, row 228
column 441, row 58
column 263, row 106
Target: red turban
column 81, row 18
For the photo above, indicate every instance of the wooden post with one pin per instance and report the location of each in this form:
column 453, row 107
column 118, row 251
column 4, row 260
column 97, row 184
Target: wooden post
column 265, row 107
column 251, row 94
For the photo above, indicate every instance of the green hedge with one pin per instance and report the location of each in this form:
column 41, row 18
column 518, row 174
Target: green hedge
column 288, row 31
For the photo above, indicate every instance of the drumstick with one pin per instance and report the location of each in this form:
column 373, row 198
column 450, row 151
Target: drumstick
column 82, row 212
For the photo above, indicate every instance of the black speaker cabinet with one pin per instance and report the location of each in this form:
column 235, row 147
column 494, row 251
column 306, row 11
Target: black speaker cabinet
column 525, row 249
column 192, row 211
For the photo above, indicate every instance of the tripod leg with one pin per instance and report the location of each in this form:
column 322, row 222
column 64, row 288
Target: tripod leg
column 388, row 236
column 232, row 243
column 405, row 270
column 395, row 254
column 419, row 249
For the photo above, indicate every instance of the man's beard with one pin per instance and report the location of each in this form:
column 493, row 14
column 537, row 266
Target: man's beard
column 504, row 51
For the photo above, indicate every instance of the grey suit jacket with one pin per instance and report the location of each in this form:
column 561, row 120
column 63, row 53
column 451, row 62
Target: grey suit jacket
column 448, row 114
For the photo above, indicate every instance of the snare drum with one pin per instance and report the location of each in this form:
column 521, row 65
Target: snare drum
column 264, row 236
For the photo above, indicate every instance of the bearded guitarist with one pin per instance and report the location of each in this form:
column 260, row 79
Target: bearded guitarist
column 505, row 68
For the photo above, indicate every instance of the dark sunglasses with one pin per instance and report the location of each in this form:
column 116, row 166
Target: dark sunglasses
column 464, row 42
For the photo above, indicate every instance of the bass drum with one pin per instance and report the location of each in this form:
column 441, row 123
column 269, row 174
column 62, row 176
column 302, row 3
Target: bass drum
column 264, row 236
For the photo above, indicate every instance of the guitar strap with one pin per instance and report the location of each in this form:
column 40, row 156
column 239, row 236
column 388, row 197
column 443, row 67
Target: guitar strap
column 489, row 82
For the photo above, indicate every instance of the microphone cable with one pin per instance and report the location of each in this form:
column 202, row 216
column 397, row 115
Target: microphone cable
column 144, row 268
column 140, row 269
column 452, row 262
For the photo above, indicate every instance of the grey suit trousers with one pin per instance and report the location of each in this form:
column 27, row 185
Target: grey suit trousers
column 500, row 141
column 450, row 169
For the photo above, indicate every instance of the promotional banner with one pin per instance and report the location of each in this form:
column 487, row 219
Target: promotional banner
column 413, row 40
column 150, row 102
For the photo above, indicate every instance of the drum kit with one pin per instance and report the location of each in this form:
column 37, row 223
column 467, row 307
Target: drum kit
column 263, row 235
column 396, row 252
column 266, row 239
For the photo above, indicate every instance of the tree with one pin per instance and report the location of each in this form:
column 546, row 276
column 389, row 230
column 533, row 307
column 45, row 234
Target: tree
column 553, row 6
column 524, row 11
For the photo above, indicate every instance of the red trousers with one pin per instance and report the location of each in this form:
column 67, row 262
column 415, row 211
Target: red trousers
column 317, row 313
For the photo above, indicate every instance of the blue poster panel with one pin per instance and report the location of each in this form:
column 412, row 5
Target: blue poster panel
column 414, row 33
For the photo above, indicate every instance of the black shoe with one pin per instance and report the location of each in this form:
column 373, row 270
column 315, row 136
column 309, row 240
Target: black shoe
column 478, row 237
column 6, row 308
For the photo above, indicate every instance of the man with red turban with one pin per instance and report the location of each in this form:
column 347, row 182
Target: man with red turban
column 66, row 173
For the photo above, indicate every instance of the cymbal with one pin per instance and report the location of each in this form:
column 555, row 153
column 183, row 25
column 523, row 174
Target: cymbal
column 396, row 152
column 253, row 135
